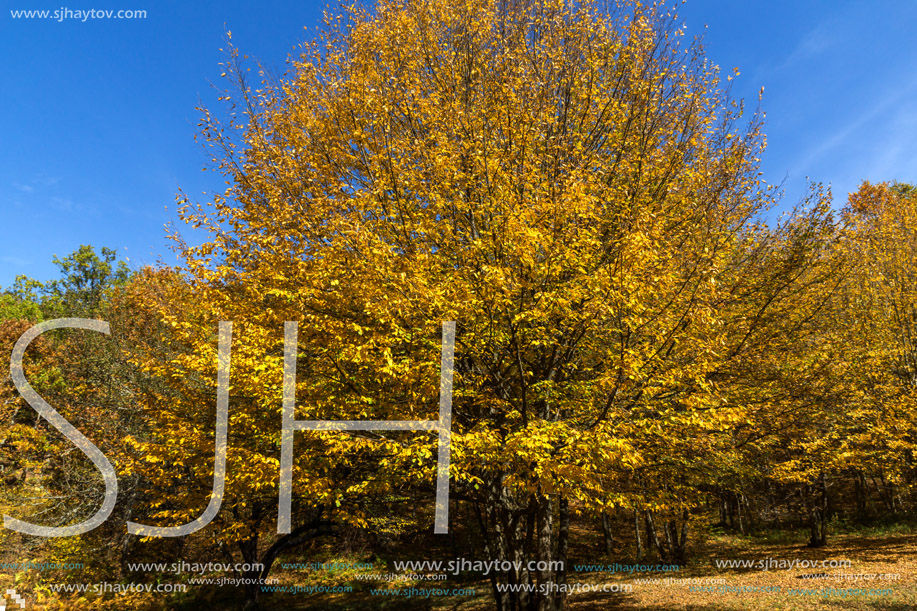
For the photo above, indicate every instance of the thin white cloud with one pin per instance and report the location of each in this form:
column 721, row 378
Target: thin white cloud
column 885, row 104
column 814, row 42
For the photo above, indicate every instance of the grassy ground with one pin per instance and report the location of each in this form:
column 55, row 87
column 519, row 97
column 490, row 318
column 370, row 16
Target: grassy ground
column 870, row 553
column 885, row 550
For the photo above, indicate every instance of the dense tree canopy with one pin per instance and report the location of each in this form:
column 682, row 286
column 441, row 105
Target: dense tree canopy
column 575, row 189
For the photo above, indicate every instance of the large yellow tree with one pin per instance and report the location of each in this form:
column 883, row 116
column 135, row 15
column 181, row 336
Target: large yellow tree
column 568, row 183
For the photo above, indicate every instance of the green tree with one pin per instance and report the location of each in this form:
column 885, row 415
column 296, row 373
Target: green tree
column 87, row 378
column 13, row 307
column 85, row 277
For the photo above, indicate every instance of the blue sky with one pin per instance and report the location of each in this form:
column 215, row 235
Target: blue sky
column 98, row 117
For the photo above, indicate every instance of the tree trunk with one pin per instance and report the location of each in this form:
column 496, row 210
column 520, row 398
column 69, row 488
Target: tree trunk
column 818, row 516
column 249, row 549
column 739, row 516
column 640, row 551
column 518, row 529
column 860, row 491
column 653, row 537
column 606, row 533
column 563, row 539
column 545, row 551
column 503, row 521
column 678, row 543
